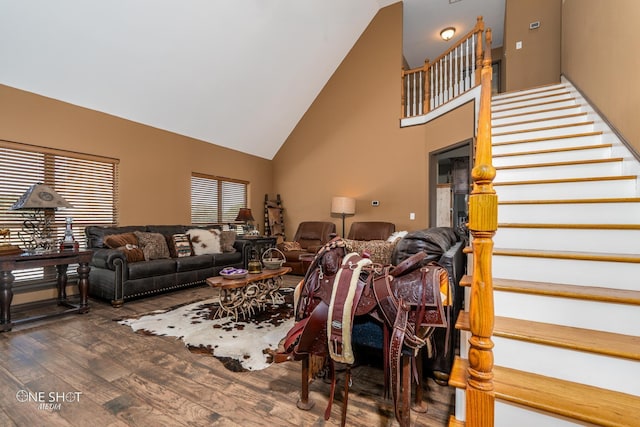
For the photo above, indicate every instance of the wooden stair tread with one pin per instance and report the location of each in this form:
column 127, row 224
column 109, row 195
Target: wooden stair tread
column 574, row 255
column 562, row 180
column 581, row 339
column 566, row 163
column 525, row 92
column 590, row 293
column 537, row 104
column 542, row 119
column 577, row 401
column 571, row 226
column 547, row 138
column 529, row 97
column 547, row 110
column 553, row 150
column 570, row 201
column 538, row 129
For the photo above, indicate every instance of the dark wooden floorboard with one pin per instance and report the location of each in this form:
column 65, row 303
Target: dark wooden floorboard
column 129, row 379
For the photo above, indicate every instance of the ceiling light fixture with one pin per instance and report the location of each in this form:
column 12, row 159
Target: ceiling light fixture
column 447, row 33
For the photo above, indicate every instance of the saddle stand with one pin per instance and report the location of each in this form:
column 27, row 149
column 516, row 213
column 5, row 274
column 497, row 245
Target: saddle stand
column 406, row 299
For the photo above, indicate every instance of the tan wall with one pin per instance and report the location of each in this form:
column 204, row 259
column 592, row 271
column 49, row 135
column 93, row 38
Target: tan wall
column 155, row 165
column 349, row 142
column 600, row 42
column 538, row 62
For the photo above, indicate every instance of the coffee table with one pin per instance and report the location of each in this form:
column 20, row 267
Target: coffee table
column 244, row 295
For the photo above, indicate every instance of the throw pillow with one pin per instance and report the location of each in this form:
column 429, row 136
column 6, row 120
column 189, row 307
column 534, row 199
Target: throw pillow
column 127, row 243
column 290, row 246
column 227, row 239
column 205, row 241
column 379, row 251
column 154, row 245
column 180, row 246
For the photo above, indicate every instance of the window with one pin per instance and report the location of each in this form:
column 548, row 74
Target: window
column 89, row 183
column 216, row 200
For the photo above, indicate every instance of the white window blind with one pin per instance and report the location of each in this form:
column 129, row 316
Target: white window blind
column 216, row 200
column 89, row 183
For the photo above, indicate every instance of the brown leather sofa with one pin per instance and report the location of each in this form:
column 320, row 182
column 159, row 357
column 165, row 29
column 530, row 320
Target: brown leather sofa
column 371, row 230
column 311, row 235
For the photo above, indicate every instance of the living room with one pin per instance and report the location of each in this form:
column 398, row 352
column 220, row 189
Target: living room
column 347, row 143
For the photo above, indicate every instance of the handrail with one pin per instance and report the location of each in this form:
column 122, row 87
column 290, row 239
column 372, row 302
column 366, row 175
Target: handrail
column 449, row 75
column 483, row 223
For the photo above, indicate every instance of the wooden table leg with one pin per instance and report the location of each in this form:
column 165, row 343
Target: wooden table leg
column 6, row 296
column 61, row 283
column 304, row 403
column 83, row 286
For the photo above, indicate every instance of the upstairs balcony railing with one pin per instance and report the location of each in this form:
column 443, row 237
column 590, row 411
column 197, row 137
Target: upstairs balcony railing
column 453, row 73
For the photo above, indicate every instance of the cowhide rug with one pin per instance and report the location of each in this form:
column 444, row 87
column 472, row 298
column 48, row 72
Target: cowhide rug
column 242, row 345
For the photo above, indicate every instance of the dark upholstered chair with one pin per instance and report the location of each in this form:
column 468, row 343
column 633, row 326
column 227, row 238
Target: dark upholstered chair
column 311, row 235
column 371, row 230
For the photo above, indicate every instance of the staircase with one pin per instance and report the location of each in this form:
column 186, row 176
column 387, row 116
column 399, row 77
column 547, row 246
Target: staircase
column 566, row 267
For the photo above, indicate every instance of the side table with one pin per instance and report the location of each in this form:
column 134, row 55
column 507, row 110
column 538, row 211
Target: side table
column 59, row 259
column 257, row 243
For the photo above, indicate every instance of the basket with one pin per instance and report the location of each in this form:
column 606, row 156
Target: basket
column 271, row 263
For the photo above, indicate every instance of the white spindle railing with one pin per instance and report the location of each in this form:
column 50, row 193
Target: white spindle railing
column 451, row 74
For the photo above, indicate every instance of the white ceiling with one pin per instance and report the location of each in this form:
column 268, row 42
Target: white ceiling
column 239, row 74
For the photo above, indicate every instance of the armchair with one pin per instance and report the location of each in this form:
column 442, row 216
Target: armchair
column 310, row 237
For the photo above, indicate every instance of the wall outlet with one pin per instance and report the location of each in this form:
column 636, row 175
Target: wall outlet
column 534, row 25
column 412, row 216
column 375, row 203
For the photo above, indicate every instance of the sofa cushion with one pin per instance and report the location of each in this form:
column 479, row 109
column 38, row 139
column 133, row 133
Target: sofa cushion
column 154, row 245
column 196, row 262
column 227, row 239
column 205, row 241
column 227, row 258
column 289, row 246
column 127, row 243
column 96, row 234
column 379, row 251
column 167, row 230
column 156, row 267
column 179, row 245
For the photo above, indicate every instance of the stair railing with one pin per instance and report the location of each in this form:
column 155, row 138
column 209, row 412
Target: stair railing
column 483, row 223
column 453, row 73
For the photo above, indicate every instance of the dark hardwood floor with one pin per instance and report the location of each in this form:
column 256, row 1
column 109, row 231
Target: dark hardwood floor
column 103, row 374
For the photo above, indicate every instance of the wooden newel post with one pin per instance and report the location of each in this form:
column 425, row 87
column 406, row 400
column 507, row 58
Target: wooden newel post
column 483, row 223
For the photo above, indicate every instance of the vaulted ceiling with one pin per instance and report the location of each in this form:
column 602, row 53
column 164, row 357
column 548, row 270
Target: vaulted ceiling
column 239, row 74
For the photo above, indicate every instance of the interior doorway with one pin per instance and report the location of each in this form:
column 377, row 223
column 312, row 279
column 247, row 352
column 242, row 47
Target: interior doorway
column 449, row 188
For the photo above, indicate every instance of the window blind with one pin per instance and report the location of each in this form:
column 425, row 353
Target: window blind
column 216, row 200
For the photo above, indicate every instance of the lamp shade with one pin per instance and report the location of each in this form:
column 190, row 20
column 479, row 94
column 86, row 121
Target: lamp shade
column 244, row 214
column 343, row 205
column 40, row 196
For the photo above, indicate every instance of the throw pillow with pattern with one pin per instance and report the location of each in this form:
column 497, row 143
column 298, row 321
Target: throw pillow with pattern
column 154, row 245
column 127, row 243
column 205, row 241
column 180, row 246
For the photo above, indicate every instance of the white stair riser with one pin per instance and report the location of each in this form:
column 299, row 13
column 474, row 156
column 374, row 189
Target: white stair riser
column 507, row 414
column 568, row 190
column 577, row 213
column 606, row 274
column 532, row 108
column 530, row 92
column 547, row 144
column 541, row 123
column 544, row 133
column 545, row 113
column 600, row 316
column 555, row 156
column 515, row 103
column 567, row 239
column 584, row 170
column 611, row 373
